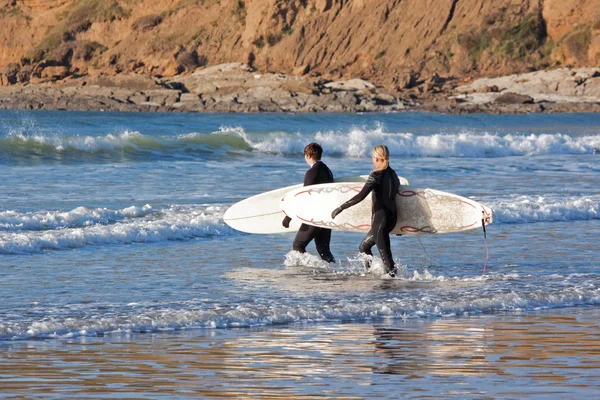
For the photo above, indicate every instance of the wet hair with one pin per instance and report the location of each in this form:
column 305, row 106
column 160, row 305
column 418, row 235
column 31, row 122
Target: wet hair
column 383, row 153
column 313, row 150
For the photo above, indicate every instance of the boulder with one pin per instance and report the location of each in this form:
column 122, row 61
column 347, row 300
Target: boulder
column 406, row 81
column 138, row 98
column 187, row 98
column 350, row 85
column 514, row 98
column 54, row 73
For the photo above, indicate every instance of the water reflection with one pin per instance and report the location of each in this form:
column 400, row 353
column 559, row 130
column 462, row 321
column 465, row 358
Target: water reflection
column 540, row 354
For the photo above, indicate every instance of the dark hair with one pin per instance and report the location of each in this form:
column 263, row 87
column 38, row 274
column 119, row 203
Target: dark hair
column 313, row 150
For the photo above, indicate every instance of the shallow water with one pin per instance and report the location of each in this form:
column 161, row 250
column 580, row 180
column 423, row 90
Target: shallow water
column 111, row 236
column 535, row 355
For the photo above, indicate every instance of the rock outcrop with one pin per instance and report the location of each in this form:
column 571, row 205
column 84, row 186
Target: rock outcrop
column 560, row 85
column 231, row 87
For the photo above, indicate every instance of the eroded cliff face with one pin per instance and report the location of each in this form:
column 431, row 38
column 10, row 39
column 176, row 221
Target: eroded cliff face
column 389, row 42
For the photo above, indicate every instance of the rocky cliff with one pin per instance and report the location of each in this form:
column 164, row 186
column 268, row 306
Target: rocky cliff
column 393, row 43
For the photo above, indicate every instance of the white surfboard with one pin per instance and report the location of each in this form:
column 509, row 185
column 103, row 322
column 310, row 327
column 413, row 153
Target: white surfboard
column 262, row 214
column 420, row 211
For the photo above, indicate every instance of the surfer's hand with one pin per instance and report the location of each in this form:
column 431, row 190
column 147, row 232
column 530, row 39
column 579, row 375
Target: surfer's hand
column 286, row 222
column 335, row 212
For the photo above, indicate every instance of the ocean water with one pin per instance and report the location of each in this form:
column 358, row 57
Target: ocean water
column 113, row 252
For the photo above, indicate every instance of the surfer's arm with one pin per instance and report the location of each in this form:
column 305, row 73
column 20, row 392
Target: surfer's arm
column 364, row 192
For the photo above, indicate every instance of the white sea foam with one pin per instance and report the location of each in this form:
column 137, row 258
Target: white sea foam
column 527, row 209
column 78, row 217
column 357, row 142
column 83, row 226
column 145, row 318
column 354, row 142
column 172, row 223
column 87, row 144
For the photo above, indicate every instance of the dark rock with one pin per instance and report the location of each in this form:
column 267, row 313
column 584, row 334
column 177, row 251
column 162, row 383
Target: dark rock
column 175, row 86
column 491, row 89
column 406, row 81
column 514, row 98
column 382, row 99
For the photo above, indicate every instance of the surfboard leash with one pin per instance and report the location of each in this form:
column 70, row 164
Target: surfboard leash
column 428, row 258
column 487, row 253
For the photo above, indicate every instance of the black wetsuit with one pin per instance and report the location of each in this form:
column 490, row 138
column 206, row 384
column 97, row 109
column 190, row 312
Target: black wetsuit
column 384, row 185
column 318, row 173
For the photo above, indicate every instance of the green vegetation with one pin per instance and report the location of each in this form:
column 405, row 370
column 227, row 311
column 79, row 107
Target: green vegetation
column 160, row 43
column 260, row 42
column 86, row 50
column 186, row 3
column 516, row 41
column 273, row 39
column 547, row 48
column 77, row 20
column 578, row 42
column 239, row 10
column 520, row 40
column 95, row 11
column 287, row 30
column 475, row 42
column 379, row 55
column 14, row 12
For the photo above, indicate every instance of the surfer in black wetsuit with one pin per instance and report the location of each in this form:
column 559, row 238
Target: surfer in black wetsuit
column 318, row 173
column 383, row 183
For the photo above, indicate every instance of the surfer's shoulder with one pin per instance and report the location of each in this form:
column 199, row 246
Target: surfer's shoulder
column 374, row 178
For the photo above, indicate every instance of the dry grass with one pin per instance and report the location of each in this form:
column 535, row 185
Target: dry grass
column 147, row 22
column 578, row 42
column 76, row 20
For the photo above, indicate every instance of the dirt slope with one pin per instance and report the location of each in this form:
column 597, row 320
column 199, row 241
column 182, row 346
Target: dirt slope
column 389, row 42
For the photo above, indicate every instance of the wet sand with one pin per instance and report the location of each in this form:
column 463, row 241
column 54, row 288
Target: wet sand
column 545, row 354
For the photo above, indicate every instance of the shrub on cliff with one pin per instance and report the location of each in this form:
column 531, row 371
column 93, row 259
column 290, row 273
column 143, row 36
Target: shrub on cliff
column 578, row 42
column 502, row 40
column 75, row 21
column 147, row 22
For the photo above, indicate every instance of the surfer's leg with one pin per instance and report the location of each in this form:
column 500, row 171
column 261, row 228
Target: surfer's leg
column 305, row 234
column 322, row 239
column 383, row 245
column 365, row 247
column 382, row 231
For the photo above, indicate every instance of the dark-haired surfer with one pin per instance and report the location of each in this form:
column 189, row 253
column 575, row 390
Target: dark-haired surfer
column 318, row 173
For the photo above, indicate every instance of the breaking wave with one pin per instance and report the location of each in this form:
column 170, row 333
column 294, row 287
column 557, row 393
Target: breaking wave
column 22, row 233
column 352, row 143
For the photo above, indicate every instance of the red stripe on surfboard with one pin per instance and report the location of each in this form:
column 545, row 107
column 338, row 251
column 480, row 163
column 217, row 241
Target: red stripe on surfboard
column 409, row 193
column 309, row 191
column 361, row 227
column 304, row 191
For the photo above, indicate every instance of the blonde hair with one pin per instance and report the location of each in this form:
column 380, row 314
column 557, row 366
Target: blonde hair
column 383, row 153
